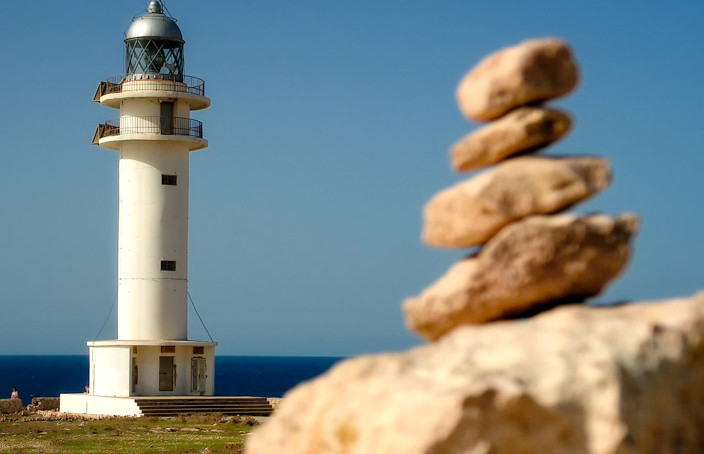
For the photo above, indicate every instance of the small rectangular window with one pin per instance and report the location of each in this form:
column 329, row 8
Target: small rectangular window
column 168, row 349
column 198, row 350
column 168, row 265
column 169, row 180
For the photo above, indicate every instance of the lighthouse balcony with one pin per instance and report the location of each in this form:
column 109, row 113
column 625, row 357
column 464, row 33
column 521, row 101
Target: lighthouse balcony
column 191, row 89
column 174, row 129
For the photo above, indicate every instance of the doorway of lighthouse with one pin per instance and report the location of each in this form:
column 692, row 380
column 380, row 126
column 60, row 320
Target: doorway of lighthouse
column 135, row 374
column 167, row 118
column 166, row 373
column 198, row 367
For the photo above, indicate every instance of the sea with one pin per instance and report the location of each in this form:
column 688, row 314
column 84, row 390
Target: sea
column 265, row 376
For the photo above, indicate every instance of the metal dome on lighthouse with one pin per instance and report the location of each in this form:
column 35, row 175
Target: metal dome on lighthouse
column 154, row 136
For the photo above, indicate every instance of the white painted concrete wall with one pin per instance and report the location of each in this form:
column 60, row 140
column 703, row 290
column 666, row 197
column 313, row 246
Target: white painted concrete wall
column 98, row 405
column 110, row 371
column 153, row 226
column 151, row 107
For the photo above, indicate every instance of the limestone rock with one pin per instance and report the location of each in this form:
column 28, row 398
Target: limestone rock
column 473, row 211
column 521, row 130
column 573, row 380
column 530, row 72
column 530, row 264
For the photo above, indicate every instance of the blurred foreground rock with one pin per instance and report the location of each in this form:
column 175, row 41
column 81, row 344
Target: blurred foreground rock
column 572, row 380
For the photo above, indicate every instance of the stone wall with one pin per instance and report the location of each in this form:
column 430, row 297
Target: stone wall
column 10, row 405
column 44, row 403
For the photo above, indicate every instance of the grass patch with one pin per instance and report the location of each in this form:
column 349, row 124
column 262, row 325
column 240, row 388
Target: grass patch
column 209, row 433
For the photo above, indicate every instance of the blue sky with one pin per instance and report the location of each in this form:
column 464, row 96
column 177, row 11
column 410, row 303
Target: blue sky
column 329, row 130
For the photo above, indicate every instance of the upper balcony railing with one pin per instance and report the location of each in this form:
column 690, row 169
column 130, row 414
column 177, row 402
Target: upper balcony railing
column 122, row 84
column 149, row 125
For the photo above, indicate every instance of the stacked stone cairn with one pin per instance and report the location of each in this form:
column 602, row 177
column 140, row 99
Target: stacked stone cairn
column 574, row 380
column 531, row 256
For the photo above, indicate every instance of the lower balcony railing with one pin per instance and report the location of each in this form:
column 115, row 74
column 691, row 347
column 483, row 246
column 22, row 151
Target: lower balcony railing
column 149, row 125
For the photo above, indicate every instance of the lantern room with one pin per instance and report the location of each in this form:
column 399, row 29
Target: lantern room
column 154, row 47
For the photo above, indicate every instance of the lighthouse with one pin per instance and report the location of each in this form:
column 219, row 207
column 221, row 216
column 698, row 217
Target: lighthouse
column 154, row 136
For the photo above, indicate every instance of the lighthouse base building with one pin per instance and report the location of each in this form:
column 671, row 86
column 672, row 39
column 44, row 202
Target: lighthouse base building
column 152, row 357
column 126, row 373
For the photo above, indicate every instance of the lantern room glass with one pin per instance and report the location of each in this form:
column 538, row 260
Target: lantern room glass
column 154, row 58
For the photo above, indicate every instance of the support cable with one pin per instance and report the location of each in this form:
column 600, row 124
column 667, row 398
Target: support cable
column 108, row 317
column 168, row 13
column 201, row 320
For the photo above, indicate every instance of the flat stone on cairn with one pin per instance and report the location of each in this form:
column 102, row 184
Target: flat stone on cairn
column 471, row 212
column 529, row 265
column 519, row 131
column 528, row 73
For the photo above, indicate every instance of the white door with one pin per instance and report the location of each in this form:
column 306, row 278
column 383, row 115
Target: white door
column 198, row 368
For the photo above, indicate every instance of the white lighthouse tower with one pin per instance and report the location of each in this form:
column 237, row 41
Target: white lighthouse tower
column 154, row 136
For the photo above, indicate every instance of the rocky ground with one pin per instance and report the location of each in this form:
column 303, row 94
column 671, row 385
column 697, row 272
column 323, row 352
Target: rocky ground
column 53, row 432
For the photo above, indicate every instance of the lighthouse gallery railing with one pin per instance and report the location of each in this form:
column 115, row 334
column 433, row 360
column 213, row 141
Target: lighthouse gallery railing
column 150, row 125
column 120, row 84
